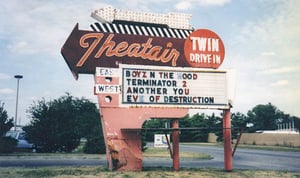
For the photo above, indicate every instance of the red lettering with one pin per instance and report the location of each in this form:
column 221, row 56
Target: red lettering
column 135, row 97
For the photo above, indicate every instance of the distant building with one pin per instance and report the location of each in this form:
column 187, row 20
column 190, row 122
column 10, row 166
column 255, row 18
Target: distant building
column 282, row 128
column 278, row 131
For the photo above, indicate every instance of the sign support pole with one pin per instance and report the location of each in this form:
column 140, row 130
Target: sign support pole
column 175, row 138
column 227, row 140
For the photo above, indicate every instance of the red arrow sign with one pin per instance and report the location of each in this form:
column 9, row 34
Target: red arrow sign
column 83, row 51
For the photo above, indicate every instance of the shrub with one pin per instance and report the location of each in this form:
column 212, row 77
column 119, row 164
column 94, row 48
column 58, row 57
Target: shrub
column 7, row 144
column 94, row 145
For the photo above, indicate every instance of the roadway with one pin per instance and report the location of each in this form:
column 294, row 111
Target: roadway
column 244, row 159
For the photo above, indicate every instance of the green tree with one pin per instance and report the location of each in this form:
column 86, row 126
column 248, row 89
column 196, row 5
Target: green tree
column 296, row 121
column 58, row 125
column 148, row 135
column 216, row 126
column 7, row 144
column 200, row 125
column 264, row 117
column 185, row 123
column 286, row 120
column 90, row 127
column 238, row 124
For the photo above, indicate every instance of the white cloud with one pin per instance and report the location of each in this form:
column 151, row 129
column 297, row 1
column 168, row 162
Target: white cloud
column 138, row 5
column 268, row 53
column 189, row 4
column 4, row 76
column 20, row 47
column 212, row 2
column 281, row 70
column 280, row 83
column 42, row 28
column 183, row 5
column 278, row 31
column 6, row 91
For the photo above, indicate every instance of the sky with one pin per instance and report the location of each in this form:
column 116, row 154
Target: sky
column 261, row 38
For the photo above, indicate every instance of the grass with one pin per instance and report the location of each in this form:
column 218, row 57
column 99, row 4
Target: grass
column 51, row 155
column 164, row 153
column 91, row 172
column 150, row 152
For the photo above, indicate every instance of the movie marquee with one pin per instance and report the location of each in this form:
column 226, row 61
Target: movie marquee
column 166, row 87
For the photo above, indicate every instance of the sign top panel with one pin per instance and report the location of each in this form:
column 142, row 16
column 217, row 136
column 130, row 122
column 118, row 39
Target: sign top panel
column 138, row 43
column 172, row 19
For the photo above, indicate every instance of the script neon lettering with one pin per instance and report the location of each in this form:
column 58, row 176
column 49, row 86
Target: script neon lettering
column 140, row 50
column 84, row 44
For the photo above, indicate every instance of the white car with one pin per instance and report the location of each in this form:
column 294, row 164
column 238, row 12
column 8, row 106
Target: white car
column 23, row 144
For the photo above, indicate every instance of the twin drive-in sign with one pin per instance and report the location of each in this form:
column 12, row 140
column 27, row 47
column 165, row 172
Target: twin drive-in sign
column 144, row 70
column 154, row 86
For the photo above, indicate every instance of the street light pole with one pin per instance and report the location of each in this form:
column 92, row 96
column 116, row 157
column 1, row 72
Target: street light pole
column 18, row 77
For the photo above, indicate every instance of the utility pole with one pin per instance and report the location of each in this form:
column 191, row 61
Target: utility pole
column 18, row 77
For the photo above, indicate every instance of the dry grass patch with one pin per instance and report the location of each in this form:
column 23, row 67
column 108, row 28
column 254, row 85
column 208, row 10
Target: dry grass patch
column 92, row 172
column 164, row 153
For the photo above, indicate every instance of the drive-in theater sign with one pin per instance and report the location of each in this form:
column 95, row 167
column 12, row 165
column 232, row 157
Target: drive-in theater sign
column 149, row 70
